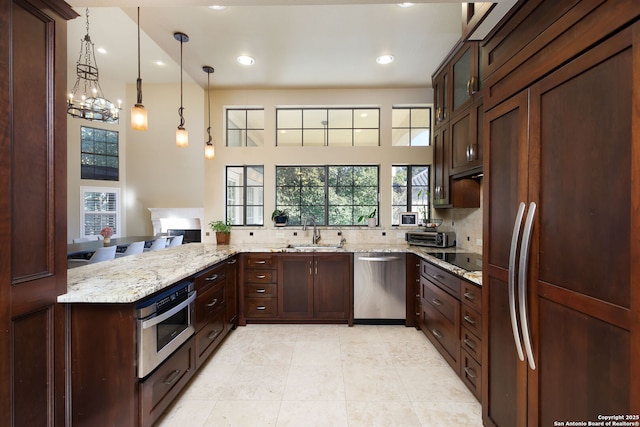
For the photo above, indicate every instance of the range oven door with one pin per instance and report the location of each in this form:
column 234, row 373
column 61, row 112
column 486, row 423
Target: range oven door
column 164, row 323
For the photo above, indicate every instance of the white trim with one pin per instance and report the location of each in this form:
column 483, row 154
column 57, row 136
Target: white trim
column 89, row 189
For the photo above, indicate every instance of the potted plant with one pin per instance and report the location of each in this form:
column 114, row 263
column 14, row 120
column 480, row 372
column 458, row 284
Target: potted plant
column 222, row 230
column 280, row 217
column 371, row 218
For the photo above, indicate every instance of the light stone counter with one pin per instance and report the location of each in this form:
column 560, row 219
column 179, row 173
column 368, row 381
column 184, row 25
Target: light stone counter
column 132, row 278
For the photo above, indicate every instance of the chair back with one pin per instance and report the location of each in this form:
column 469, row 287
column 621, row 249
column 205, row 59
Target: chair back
column 176, row 241
column 159, row 243
column 103, row 254
column 80, row 239
column 135, row 248
column 93, row 238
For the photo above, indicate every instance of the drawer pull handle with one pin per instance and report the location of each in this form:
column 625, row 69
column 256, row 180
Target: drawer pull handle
column 172, row 377
column 470, row 343
column 436, row 301
column 417, row 295
column 233, row 261
column 262, row 261
column 212, row 303
column 212, row 278
column 470, row 320
column 437, row 333
column 213, row 334
column 260, row 276
column 470, row 373
column 470, row 296
column 261, row 307
column 261, row 291
column 418, row 314
column 438, row 277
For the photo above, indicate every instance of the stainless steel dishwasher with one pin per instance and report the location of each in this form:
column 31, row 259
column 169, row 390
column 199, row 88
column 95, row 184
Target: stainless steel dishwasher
column 379, row 288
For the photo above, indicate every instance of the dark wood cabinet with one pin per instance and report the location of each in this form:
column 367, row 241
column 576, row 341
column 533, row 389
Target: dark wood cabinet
column 314, row 287
column 441, row 180
column 232, row 293
column 259, row 290
column 33, row 229
column 564, row 147
column 413, row 290
column 211, row 310
column 466, row 141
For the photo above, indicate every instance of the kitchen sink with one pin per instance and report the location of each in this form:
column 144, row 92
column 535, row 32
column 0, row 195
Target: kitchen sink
column 314, row 246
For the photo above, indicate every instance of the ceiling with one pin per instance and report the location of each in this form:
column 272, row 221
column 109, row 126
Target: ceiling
column 295, row 43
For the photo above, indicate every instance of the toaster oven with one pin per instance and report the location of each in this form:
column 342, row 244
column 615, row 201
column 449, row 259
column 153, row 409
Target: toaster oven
column 436, row 239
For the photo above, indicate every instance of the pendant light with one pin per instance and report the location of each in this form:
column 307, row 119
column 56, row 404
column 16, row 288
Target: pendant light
column 182, row 136
column 138, row 112
column 209, row 149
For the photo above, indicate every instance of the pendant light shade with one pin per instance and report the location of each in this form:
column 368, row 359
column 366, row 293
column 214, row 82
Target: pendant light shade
column 209, row 150
column 182, row 136
column 138, row 112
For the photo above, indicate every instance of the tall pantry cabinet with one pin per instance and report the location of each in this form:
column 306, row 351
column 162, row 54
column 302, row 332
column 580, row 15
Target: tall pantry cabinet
column 33, row 182
column 561, row 278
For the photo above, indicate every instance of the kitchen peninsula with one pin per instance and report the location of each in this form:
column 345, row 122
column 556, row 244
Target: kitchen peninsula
column 102, row 301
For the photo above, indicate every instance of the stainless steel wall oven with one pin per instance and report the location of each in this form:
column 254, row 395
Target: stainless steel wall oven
column 165, row 322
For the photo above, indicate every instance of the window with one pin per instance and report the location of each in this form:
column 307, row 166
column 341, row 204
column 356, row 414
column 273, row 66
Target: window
column 411, row 126
column 245, row 195
column 100, row 208
column 99, row 154
column 410, row 192
column 245, row 127
column 317, row 127
column 332, row 195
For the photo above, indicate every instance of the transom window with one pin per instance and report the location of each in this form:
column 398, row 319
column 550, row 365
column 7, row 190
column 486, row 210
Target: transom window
column 100, row 208
column 410, row 191
column 411, row 126
column 317, row 127
column 99, row 154
column 245, row 127
column 245, row 195
column 331, row 195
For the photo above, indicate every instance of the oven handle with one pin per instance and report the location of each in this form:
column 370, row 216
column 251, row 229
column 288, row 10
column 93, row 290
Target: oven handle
column 167, row 314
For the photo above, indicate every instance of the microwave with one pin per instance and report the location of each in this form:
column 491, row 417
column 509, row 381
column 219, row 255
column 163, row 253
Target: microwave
column 436, row 239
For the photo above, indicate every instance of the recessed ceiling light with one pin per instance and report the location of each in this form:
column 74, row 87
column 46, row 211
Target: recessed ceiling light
column 245, row 60
column 217, row 7
column 102, row 50
column 406, row 4
column 385, row 59
column 159, row 62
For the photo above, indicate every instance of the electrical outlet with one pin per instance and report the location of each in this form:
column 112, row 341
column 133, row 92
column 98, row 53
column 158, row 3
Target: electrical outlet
column 479, row 242
column 206, row 233
column 280, row 235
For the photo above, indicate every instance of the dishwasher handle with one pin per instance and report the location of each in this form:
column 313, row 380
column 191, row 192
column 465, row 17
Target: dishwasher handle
column 379, row 258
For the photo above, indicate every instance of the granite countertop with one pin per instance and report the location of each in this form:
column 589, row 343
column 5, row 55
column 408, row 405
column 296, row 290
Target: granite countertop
column 132, row 278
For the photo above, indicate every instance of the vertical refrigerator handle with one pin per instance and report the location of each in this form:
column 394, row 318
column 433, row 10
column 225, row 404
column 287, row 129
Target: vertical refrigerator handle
column 512, row 279
column 522, row 281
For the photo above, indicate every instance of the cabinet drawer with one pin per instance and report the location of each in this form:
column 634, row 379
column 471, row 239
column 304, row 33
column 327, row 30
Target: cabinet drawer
column 208, row 338
column 443, row 332
column 471, row 296
column 440, row 300
column 208, row 303
column 260, row 261
column 471, row 344
column 471, row 374
column 159, row 389
column 471, row 319
column 260, row 276
column 261, row 307
column 444, row 279
column 256, row 290
column 210, row 277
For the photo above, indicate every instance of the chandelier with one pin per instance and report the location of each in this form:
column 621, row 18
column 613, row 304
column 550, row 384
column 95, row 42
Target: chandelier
column 86, row 100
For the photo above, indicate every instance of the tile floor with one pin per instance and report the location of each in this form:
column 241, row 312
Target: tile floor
column 325, row 376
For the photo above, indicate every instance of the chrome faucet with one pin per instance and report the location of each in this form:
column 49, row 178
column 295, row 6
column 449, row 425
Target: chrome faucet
column 316, row 232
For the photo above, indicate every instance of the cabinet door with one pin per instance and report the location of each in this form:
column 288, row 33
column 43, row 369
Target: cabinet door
column 332, row 286
column 466, row 141
column 295, row 286
column 440, row 96
column 232, row 292
column 505, row 186
column 585, row 235
column 441, row 167
column 464, row 76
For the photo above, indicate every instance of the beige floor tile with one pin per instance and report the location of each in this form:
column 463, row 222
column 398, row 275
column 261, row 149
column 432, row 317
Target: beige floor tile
column 321, row 352
column 434, row 414
column 312, row 414
column 210, row 383
column 366, row 353
column 373, row 385
column 434, row 384
column 381, row 414
column 192, row 413
column 244, row 414
column 257, row 383
column 314, row 383
column 268, row 353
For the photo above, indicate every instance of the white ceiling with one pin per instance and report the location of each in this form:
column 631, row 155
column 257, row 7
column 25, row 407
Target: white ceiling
column 296, row 43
